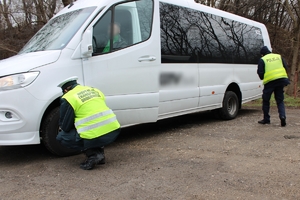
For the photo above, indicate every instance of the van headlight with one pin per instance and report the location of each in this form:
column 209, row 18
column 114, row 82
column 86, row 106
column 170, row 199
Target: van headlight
column 17, row 80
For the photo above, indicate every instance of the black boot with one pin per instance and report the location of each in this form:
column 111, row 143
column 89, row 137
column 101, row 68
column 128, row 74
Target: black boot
column 102, row 161
column 93, row 158
column 283, row 121
column 264, row 122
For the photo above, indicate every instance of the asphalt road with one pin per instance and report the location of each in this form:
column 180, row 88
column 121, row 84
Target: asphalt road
column 189, row 157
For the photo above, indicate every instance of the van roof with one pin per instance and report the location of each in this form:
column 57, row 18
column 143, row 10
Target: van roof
column 79, row 4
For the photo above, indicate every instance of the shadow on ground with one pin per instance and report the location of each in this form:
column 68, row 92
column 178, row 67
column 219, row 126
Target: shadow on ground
column 19, row 154
column 183, row 122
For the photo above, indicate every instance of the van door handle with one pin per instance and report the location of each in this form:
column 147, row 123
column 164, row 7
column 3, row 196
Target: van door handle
column 147, row 58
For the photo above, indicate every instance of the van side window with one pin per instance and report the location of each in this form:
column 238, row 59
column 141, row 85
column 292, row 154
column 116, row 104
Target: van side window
column 122, row 26
column 100, row 33
column 191, row 36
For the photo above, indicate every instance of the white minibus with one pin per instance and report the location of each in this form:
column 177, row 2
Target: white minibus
column 153, row 59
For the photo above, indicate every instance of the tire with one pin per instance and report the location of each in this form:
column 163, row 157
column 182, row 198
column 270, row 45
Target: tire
column 230, row 107
column 49, row 131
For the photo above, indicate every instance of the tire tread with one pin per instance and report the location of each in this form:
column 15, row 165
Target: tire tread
column 47, row 140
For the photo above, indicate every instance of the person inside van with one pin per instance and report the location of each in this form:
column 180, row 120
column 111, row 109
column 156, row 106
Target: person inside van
column 118, row 41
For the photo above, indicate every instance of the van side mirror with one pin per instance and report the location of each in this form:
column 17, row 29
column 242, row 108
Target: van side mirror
column 87, row 44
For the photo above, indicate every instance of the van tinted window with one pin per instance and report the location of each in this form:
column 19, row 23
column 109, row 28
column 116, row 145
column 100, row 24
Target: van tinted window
column 191, row 36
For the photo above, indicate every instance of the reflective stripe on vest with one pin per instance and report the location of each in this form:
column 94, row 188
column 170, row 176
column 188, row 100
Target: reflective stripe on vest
column 95, row 116
column 274, row 68
column 99, row 124
column 92, row 117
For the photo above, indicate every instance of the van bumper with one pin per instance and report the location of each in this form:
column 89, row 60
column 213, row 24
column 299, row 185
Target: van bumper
column 20, row 116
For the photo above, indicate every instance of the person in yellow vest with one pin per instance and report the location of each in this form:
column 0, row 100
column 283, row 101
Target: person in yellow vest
column 272, row 69
column 86, row 123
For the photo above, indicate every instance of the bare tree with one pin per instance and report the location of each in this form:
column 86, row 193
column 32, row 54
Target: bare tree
column 4, row 9
column 20, row 20
column 293, row 10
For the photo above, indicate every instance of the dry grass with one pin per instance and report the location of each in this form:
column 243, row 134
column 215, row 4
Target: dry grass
column 289, row 102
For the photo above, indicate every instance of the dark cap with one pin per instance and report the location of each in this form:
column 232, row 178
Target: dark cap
column 265, row 50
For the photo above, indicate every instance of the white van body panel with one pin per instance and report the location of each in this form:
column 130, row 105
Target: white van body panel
column 131, row 86
column 21, row 128
column 137, row 91
column 180, row 88
column 245, row 75
column 29, row 104
column 27, row 62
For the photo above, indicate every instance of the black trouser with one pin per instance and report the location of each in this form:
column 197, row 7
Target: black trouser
column 279, row 97
column 72, row 140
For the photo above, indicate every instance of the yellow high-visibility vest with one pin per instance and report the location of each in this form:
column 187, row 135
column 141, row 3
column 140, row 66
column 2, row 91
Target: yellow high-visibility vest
column 274, row 68
column 92, row 117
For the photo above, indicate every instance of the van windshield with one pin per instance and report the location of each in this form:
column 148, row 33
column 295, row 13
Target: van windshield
column 58, row 32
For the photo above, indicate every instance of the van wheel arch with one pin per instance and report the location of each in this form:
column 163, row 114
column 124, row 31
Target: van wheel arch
column 53, row 105
column 49, row 130
column 234, row 87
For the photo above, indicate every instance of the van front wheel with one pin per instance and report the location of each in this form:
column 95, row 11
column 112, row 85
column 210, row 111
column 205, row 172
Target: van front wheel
column 230, row 107
column 49, row 131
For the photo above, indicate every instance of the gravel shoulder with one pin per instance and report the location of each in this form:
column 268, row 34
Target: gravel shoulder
column 188, row 157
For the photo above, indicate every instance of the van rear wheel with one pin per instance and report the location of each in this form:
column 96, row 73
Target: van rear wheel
column 230, row 107
column 49, row 132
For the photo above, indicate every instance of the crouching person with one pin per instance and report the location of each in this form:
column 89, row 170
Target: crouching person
column 86, row 123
